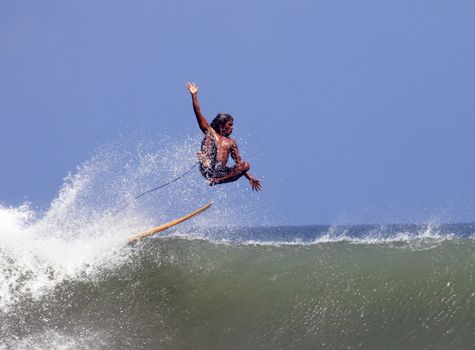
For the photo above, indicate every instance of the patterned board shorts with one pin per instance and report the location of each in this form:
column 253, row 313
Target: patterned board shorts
column 216, row 172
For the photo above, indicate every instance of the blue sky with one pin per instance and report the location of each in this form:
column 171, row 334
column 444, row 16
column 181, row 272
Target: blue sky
column 349, row 111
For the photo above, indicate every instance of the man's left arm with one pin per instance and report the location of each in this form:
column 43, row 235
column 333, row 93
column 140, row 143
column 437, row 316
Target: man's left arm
column 255, row 183
column 235, row 153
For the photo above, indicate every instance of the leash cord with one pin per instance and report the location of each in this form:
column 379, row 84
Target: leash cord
column 161, row 186
column 168, row 183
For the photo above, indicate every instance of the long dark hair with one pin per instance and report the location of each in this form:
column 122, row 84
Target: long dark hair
column 219, row 121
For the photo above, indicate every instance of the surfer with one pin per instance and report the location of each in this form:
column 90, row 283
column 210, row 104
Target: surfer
column 217, row 146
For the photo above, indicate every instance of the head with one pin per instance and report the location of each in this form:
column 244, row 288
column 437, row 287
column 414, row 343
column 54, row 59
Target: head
column 223, row 124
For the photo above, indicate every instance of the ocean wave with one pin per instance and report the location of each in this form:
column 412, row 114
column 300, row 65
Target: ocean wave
column 192, row 293
column 70, row 281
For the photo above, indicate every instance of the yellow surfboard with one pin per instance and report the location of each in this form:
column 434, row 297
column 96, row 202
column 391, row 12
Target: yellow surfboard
column 163, row 227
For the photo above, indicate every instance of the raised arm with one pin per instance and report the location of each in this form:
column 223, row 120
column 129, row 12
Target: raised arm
column 200, row 118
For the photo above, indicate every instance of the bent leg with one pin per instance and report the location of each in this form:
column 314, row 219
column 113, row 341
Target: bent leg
column 234, row 174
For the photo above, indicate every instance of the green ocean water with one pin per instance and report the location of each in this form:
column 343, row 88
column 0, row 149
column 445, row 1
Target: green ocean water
column 184, row 293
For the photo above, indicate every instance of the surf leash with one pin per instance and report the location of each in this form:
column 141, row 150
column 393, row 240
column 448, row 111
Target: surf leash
column 161, row 186
column 168, row 183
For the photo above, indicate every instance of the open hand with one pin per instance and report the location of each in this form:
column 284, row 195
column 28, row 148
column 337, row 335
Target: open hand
column 192, row 87
column 255, row 184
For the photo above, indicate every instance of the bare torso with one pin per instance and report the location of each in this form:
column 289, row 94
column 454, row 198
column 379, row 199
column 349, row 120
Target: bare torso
column 224, row 147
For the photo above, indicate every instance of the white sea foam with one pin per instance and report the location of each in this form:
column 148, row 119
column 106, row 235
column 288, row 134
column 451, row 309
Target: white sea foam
column 53, row 339
column 37, row 255
column 418, row 237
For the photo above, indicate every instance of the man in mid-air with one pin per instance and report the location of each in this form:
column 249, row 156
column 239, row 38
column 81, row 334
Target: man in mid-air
column 217, row 146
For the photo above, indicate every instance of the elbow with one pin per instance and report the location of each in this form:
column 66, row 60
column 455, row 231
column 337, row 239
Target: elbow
column 244, row 166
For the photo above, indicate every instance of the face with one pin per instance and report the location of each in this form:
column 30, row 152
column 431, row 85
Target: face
column 227, row 129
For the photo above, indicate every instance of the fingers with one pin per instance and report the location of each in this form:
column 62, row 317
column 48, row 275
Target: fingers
column 256, row 186
column 192, row 87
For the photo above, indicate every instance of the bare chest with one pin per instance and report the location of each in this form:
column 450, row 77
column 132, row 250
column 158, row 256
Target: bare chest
column 224, row 143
